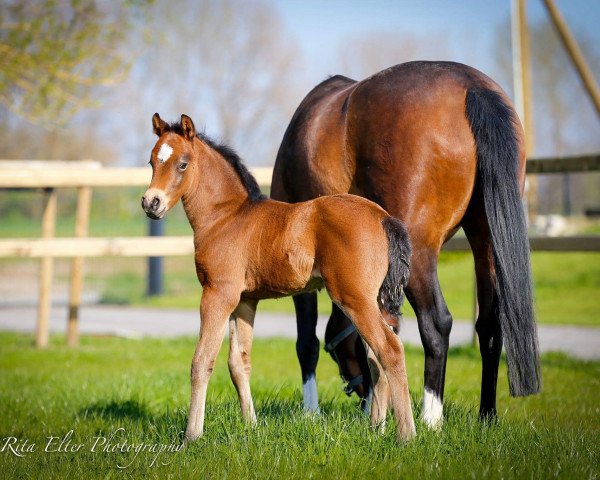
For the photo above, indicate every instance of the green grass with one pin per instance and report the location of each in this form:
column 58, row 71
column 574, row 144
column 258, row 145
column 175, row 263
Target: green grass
column 566, row 287
column 142, row 386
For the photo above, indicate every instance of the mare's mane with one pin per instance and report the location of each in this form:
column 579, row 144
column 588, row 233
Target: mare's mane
column 229, row 154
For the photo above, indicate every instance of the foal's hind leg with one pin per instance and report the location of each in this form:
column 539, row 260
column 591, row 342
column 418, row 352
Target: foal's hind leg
column 381, row 391
column 435, row 323
column 241, row 325
column 389, row 351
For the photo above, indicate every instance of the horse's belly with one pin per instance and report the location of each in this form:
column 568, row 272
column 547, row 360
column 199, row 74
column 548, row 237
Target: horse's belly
column 270, row 290
column 291, row 273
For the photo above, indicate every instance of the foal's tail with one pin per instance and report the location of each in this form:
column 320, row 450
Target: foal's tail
column 493, row 125
column 391, row 292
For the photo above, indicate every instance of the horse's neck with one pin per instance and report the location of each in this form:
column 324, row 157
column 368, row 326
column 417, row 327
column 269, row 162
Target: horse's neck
column 215, row 194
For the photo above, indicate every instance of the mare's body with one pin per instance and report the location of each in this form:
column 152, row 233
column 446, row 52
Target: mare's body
column 439, row 146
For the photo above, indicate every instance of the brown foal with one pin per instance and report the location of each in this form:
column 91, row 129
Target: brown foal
column 248, row 247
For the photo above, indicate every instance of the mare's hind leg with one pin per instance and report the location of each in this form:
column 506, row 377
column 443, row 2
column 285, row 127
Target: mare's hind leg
column 241, row 324
column 488, row 323
column 435, row 323
column 307, row 347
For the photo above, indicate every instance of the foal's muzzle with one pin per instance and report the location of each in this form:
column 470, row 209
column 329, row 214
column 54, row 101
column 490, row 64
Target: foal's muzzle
column 154, row 206
column 353, row 383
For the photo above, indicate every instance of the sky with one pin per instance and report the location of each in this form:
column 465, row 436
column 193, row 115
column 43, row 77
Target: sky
column 467, row 31
column 319, row 27
column 322, row 31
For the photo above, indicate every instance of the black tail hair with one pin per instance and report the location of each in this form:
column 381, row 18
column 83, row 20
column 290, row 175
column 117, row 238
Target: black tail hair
column 493, row 125
column 391, row 292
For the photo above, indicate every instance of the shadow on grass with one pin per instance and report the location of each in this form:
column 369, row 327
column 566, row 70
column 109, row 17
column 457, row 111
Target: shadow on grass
column 117, row 410
column 275, row 410
column 132, row 414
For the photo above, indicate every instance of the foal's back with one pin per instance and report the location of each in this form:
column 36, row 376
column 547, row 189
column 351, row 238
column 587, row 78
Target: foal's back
column 287, row 246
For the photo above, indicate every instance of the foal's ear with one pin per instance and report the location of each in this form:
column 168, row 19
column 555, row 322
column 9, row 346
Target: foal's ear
column 189, row 131
column 158, row 124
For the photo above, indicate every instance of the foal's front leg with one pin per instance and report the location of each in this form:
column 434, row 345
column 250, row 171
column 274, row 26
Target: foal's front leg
column 241, row 324
column 215, row 309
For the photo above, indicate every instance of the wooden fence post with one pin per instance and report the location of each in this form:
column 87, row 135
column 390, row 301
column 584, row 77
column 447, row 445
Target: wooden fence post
column 82, row 218
column 46, row 270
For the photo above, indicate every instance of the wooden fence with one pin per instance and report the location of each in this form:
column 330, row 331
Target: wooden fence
column 86, row 175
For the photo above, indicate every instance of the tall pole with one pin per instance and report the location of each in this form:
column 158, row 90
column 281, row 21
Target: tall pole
column 568, row 40
column 155, row 264
column 522, row 88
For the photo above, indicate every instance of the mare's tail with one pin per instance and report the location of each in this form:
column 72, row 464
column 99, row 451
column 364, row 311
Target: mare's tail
column 493, row 123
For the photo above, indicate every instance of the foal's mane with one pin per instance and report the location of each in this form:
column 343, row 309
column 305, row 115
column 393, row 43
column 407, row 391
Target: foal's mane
column 229, row 154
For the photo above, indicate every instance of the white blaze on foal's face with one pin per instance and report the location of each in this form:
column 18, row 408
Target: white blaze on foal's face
column 164, row 153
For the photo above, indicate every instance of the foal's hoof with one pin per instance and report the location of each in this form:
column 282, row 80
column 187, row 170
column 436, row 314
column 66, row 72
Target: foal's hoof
column 406, row 431
column 406, row 436
column 379, row 427
column 434, row 425
column 433, row 420
column 190, row 438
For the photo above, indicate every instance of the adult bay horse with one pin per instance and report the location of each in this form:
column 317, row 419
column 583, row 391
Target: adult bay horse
column 439, row 146
column 248, row 247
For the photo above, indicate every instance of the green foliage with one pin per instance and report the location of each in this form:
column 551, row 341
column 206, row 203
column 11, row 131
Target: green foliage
column 52, row 54
column 143, row 387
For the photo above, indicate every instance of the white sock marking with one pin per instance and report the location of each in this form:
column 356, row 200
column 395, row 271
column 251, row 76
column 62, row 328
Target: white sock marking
column 164, row 153
column 433, row 410
column 310, row 395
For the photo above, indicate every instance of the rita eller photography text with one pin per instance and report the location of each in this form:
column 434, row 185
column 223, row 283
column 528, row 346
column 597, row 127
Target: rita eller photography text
column 114, row 443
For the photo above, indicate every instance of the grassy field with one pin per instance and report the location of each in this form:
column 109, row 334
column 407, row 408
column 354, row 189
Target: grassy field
column 142, row 386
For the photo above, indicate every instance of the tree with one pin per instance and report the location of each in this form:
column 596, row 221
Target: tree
column 228, row 64
column 53, row 54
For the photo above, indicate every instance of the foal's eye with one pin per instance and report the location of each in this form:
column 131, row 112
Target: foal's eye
column 182, row 166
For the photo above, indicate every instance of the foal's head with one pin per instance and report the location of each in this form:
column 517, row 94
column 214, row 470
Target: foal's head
column 170, row 159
